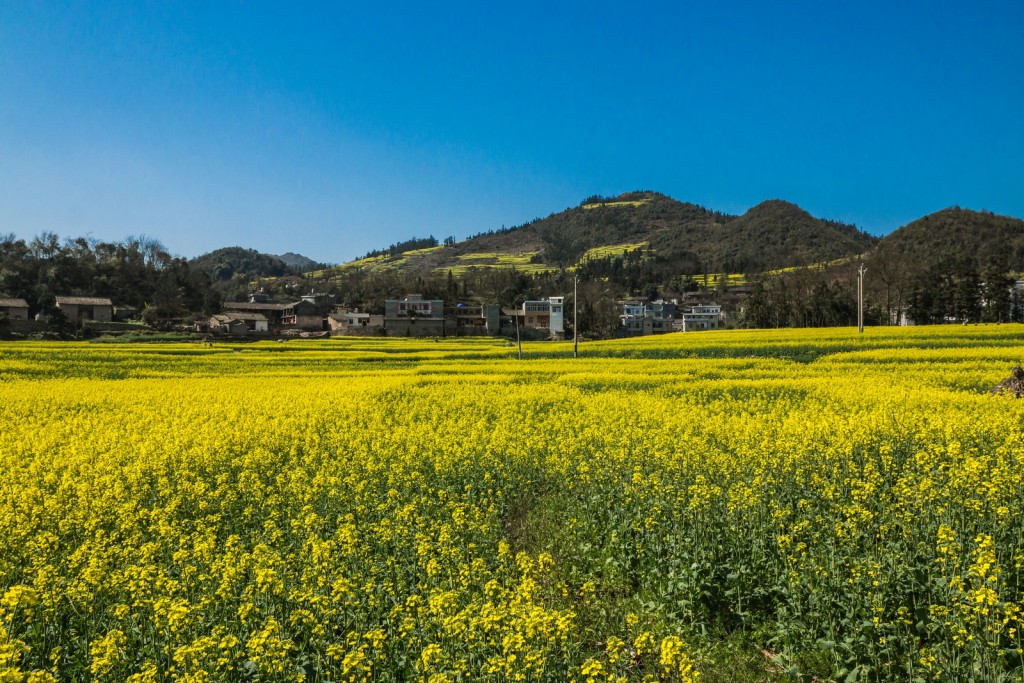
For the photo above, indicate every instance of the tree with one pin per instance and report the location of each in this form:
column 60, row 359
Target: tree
column 997, row 296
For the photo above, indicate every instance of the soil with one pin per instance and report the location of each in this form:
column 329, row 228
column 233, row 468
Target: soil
column 1014, row 384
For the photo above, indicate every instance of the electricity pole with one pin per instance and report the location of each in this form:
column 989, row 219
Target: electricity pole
column 519, row 342
column 860, row 299
column 575, row 327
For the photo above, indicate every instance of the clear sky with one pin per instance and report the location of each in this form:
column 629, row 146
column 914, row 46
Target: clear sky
column 334, row 128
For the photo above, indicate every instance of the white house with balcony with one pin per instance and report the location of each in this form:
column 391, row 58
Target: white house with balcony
column 545, row 314
column 705, row 317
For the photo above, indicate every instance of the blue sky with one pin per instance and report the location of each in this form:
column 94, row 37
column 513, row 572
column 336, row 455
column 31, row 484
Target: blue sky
column 334, row 128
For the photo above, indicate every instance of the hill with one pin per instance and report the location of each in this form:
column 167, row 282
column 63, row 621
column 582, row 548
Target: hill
column 224, row 264
column 986, row 239
column 643, row 230
column 299, row 263
column 777, row 234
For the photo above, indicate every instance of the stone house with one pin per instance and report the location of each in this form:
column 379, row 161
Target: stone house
column 78, row 309
column 14, row 309
column 303, row 315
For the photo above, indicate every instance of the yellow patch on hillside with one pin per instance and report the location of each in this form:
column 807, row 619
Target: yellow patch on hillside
column 611, row 251
column 637, row 202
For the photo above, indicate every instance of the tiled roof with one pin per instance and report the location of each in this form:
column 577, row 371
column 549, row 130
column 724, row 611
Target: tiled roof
column 13, row 303
column 244, row 315
column 231, row 316
column 83, row 301
column 246, row 306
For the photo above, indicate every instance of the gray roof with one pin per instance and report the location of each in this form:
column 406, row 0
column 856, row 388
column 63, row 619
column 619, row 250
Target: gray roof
column 13, row 303
column 228, row 316
column 244, row 315
column 83, row 301
column 247, row 306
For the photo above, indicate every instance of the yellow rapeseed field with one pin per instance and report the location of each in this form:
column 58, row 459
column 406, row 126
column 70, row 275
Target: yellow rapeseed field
column 344, row 510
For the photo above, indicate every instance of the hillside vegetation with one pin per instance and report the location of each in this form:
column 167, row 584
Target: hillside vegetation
column 224, row 264
column 981, row 236
column 673, row 237
column 773, row 266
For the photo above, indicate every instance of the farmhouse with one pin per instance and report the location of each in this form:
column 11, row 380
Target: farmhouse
column 271, row 311
column 78, row 309
column 324, row 302
column 354, row 322
column 707, row 317
column 303, row 315
column 640, row 317
column 413, row 305
column 486, row 317
column 546, row 314
column 239, row 323
column 414, row 316
column 14, row 309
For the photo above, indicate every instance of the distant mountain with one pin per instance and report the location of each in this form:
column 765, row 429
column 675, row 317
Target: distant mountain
column 647, row 237
column 954, row 233
column 299, row 262
column 224, row 264
column 644, row 231
column 776, row 234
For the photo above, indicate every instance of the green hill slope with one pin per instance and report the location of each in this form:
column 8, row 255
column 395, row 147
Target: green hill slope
column 223, row 264
column 985, row 238
column 669, row 236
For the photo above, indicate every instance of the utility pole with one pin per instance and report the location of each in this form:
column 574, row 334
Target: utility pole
column 519, row 342
column 860, row 299
column 575, row 308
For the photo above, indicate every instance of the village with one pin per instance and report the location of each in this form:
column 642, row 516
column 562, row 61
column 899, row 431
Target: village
column 317, row 314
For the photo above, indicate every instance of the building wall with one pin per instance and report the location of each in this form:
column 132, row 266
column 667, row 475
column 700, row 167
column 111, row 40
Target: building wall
column 492, row 314
column 16, row 313
column 557, row 322
column 424, row 308
column 415, row 327
column 70, row 312
column 693, row 322
column 76, row 313
column 360, row 331
column 307, row 322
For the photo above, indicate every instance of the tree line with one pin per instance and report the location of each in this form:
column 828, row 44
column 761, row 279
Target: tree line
column 137, row 272
column 898, row 288
column 140, row 272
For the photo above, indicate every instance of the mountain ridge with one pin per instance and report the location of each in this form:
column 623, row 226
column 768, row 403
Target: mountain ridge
column 662, row 236
column 671, row 235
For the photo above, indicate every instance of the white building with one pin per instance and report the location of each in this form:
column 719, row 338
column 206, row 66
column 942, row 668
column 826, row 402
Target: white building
column 557, row 323
column 707, row 317
column 643, row 318
column 546, row 314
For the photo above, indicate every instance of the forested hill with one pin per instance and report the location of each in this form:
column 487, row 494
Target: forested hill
column 984, row 238
column 772, row 235
column 651, row 231
column 224, row 264
column 776, row 234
